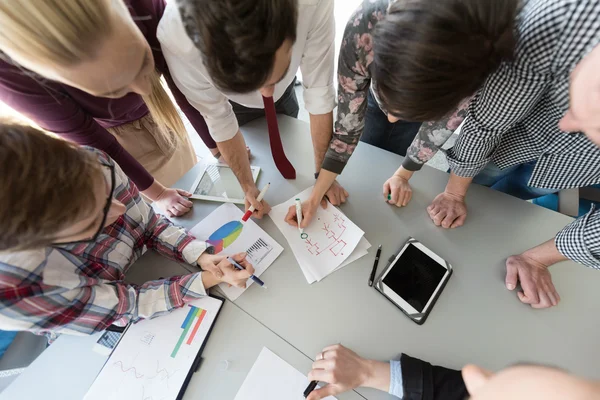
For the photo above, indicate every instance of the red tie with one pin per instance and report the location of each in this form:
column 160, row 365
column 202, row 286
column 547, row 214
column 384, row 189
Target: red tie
column 283, row 164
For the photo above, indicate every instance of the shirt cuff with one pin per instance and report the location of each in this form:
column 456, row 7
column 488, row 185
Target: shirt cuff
column 319, row 100
column 410, row 165
column 578, row 245
column 192, row 251
column 396, row 388
column 333, row 165
column 464, row 169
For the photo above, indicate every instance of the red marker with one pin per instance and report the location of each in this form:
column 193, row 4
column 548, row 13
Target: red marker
column 261, row 195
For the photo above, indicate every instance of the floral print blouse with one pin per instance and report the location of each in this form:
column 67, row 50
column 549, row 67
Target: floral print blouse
column 354, row 76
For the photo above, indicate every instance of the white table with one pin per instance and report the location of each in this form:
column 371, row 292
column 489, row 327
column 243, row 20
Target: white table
column 476, row 320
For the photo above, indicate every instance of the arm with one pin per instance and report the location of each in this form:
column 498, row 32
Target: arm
column 579, row 242
column 409, row 378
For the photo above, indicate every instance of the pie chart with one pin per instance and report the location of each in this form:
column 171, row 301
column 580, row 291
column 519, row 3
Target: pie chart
column 225, row 235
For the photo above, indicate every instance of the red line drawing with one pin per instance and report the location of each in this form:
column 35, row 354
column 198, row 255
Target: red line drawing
column 336, row 245
column 137, row 376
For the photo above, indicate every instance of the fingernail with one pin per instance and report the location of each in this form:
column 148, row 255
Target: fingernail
column 219, row 274
column 510, row 286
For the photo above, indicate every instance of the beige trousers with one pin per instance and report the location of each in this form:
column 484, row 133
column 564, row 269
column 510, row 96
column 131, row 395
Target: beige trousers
column 166, row 160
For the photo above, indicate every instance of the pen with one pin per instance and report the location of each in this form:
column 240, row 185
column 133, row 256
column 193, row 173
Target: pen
column 299, row 217
column 254, row 278
column 311, row 386
column 261, row 195
column 372, row 277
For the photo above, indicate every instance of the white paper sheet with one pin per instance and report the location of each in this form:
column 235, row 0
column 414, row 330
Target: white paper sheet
column 271, row 378
column 332, row 238
column 154, row 356
column 238, row 237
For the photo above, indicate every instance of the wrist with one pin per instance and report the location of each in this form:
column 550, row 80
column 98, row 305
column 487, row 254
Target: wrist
column 457, row 185
column 154, row 191
column 376, row 375
column 404, row 173
column 545, row 254
column 209, row 279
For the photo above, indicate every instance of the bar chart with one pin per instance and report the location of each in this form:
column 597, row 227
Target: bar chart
column 194, row 317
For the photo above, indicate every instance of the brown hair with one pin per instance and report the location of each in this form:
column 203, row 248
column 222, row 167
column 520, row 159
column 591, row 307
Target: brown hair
column 238, row 38
column 47, row 183
column 429, row 55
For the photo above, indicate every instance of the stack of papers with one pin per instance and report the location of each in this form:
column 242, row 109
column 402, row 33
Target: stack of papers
column 333, row 240
column 271, row 378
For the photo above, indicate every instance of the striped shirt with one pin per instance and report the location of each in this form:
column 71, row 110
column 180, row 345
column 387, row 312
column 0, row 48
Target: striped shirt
column 81, row 288
column 513, row 118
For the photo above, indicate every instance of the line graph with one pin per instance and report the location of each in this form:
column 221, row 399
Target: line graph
column 126, row 370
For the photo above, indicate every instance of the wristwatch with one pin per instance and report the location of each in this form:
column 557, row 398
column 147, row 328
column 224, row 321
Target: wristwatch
column 316, row 175
column 210, row 250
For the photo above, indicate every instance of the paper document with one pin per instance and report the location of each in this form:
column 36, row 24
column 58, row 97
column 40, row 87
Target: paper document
column 332, row 238
column 154, row 356
column 224, row 229
column 271, row 378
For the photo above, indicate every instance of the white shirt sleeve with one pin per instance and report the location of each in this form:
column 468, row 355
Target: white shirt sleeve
column 318, row 61
column 186, row 67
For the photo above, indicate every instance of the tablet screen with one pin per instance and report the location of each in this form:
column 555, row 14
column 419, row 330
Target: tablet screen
column 414, row 277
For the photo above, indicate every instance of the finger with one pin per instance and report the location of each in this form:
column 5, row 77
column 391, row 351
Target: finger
column 386, row 190
column 169, row 213
column 346, row 193
column 324, row 203
column 460, row 221
column 530, row 289
column 240, row 258
column 320, row 375
column 407, row 197
column 214, row 269
column 439, row 217
column 180, row 207
column 324, row 392
column 306, row 219
column 266, row 207
column 526, row 299
column 185, row 203
column 433, row 210
column 255, row 203
column 250, row 269
column 184, row 192
column 323, row 364
column 342, row 197
column 552, row 298
column 545, row 301
column 448, row 220
column 290, row 217
column 258, row 214
column 512, row 274
column 334, row 198
column 332, row 348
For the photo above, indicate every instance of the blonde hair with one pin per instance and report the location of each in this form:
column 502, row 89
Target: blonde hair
column 64, row 32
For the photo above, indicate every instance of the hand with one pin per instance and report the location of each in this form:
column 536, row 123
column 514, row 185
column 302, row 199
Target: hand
column 224, row 271
column 336, row 194
column 448, row 210
column 261, row 208
column 174, row 202
column 309, row 210
column 536, row 281
column 345, row 370
column 400, row 191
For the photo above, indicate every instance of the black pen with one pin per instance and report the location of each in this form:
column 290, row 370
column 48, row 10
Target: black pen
column 372, row 278
column 311, row 386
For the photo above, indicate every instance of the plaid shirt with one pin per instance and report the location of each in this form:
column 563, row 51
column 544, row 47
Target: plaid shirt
column 81, row 288
column 513, row 118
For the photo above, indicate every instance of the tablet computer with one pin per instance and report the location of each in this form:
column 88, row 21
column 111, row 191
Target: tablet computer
column 414, row 279
column 217, row 182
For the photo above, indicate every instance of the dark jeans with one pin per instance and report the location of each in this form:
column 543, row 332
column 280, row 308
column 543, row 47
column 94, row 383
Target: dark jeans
column 512, row 180
column 382, row 133
column 287, row 104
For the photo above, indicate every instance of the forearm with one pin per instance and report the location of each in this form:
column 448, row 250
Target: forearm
column 546, row 253
column 321, row 131
column 154, row 191
column 234, row 152
column 577, row 240
column 404, row 173
column 324, row 182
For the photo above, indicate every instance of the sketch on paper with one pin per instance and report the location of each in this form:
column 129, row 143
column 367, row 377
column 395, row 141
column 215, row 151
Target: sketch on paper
column 334, row 232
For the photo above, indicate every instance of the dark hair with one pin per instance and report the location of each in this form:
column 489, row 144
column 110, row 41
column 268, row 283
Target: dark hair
column 429, row 55
column 47, row 184
column 238, row 38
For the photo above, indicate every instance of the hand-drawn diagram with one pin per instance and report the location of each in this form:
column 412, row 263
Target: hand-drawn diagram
column 258, row 251
column 160, row 377
column 333, row 232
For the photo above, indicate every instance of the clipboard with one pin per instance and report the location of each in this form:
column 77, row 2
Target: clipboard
column 157, row 358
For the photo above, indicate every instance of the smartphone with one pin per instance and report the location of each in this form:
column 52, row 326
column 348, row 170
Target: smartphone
column 414, row 279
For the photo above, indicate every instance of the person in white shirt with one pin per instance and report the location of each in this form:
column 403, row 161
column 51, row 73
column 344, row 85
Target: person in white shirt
column 237, row 51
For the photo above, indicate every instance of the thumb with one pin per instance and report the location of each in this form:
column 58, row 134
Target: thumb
column 324, row 203
column 512, row 275
column 386, row 190
column 184, row 193
column 318, row 394
column 255, row 203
